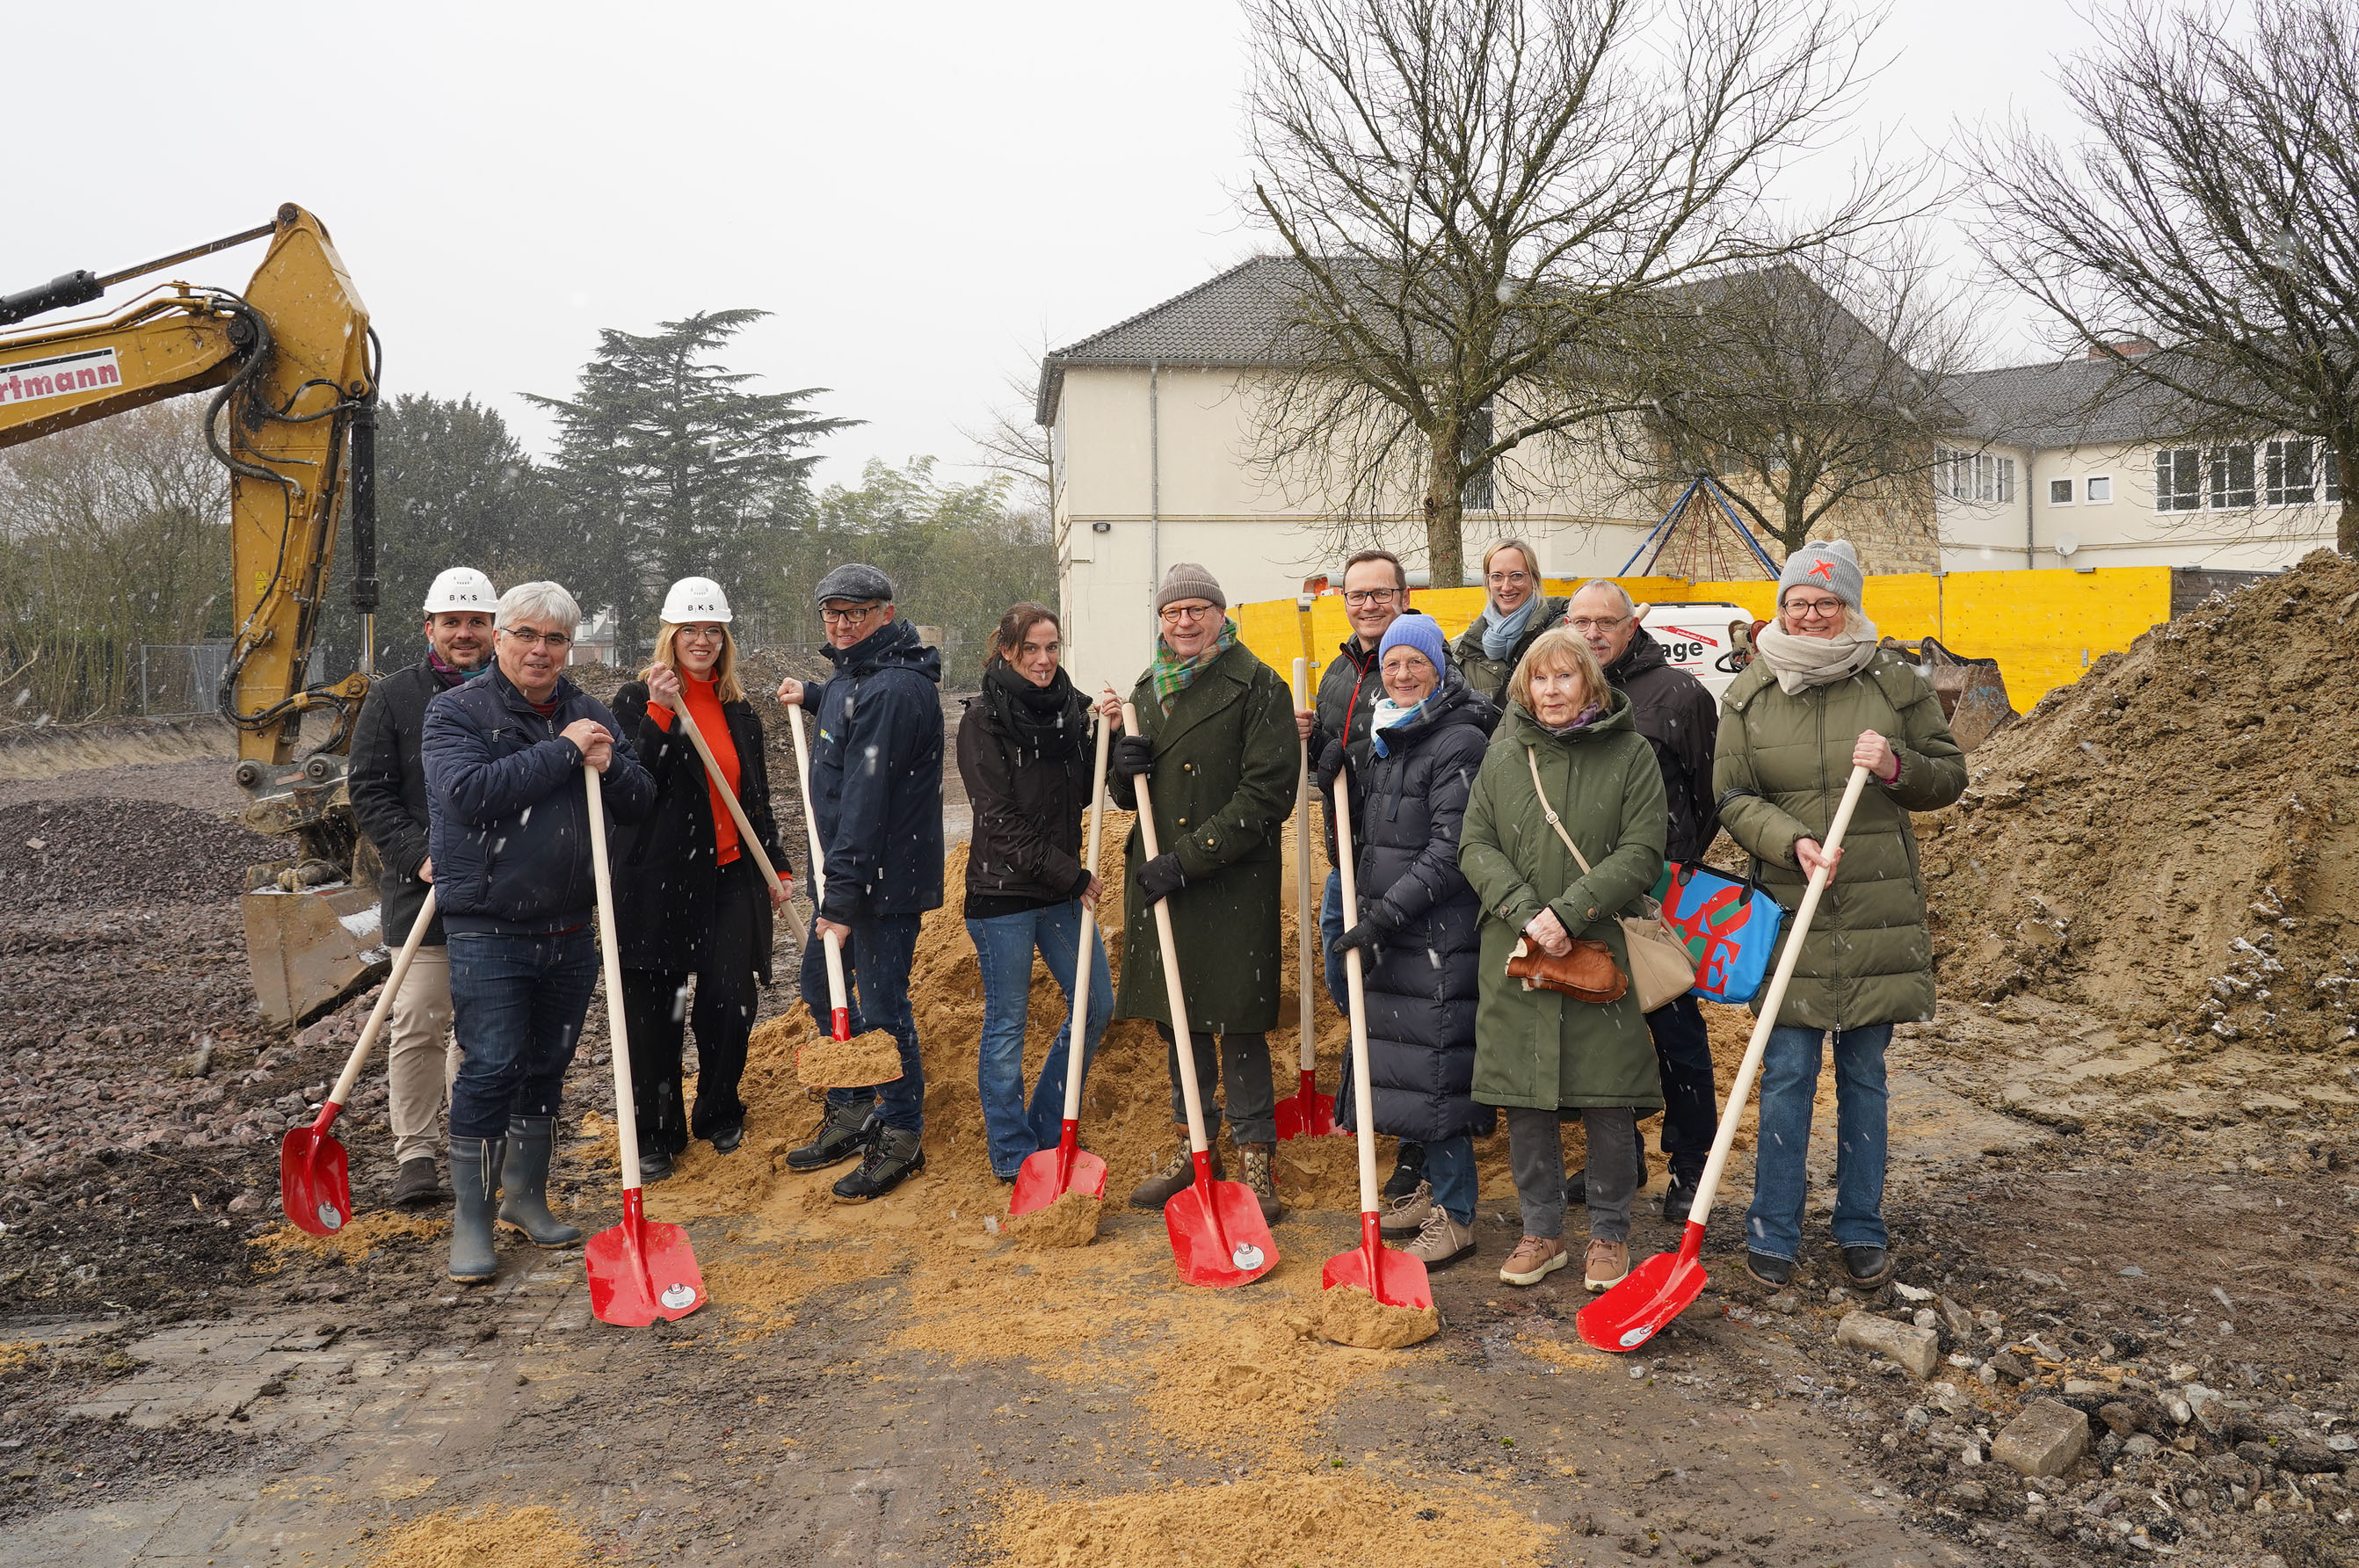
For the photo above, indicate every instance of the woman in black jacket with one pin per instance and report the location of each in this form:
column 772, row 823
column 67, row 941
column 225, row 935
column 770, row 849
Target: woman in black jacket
column 688, row 898
column 1418, row 926
column 1026, row 753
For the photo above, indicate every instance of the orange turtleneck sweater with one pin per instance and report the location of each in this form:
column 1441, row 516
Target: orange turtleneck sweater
column 705, row 707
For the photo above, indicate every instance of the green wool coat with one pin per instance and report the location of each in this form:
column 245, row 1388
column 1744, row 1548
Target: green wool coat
column 1543, row 1049
column 1226, row 773
column 1868, row 958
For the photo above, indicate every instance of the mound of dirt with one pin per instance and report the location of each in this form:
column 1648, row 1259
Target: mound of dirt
column 107, row 854
column 2167, row 841
column 1349, row 1315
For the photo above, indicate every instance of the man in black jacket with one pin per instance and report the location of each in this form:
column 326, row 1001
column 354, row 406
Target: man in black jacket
column 876, row 800
column 519, row 894
column 387, row 785
column 1679, row 719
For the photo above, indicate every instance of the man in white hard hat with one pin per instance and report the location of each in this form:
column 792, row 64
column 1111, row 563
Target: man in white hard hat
column 387, row 785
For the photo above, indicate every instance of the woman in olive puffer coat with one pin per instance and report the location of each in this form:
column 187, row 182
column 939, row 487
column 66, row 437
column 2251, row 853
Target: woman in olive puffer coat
column 1820, row 698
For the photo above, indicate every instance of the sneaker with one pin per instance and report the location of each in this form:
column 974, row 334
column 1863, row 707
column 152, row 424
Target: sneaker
column 415, row 1185
column 1607, row 1265
column 1408, row 1170
column 1441, row 1240
column 1678, row 1198
column 1406, row 1217
column 893, row 1159
column 1774, row 1272
column 846, row 1132
column 1259, row 1175
column 1534, row 1258
column 1173, row 1176
column 1868, row 1267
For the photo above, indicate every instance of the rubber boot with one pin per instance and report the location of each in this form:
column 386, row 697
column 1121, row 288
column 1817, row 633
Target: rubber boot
column 475, row 1162
column 524, row 1183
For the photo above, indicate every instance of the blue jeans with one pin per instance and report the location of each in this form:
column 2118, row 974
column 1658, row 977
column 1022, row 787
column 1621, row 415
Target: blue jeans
column 1006, row 944
column 1450, row 1166
column 877, row 988
column 516, row 1004
column 1331, row 926
column 1789, row 1082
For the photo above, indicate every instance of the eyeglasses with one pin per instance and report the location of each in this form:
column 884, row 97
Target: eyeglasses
column 1172, row 614
column 703, row 633
column 1814, row 608
column 1585, row 624
column 1361, row 598
column 556, row 642
column 851, row 617
column 1509, row 579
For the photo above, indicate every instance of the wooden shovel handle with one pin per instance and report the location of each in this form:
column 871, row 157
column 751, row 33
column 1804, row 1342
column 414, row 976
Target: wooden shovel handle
column 1077, row 1027
column 1305, row 911
column 626, row 1114
column 1184, row 1045
column 745, row 834
column 384, row 1008
column 1356, row 986
column 837, row 996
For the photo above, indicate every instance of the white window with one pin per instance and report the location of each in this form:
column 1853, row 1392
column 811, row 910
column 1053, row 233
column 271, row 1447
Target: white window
column 2232, row 478
column 2097, row 489
column 2290, row 473
column 1975, row 476
column 2179, row 479
column 2060, row 491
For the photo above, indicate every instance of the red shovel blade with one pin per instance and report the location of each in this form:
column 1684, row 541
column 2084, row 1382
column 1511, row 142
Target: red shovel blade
column 1049, row 1174
column 1393, row 1277
column 1306, row 1113
column 1218, row 1237
column 640, row 1270
column 315, row 1185
column 1644, row 1303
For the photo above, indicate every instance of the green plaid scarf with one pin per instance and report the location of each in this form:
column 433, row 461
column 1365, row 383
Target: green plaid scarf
column 1173, row 674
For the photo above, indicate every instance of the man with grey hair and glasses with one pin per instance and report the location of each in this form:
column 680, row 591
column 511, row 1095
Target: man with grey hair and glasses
column 509, row 833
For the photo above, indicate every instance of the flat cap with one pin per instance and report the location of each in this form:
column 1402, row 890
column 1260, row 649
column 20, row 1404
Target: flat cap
column 856, row 580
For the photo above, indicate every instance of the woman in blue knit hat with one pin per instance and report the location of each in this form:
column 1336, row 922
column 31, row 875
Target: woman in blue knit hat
column 1418, row 926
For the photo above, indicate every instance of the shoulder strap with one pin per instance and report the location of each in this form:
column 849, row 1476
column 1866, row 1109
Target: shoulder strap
column 1533, row 757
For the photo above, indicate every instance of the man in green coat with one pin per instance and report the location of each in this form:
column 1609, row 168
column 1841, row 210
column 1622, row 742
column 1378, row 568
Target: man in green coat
column 1218, row 745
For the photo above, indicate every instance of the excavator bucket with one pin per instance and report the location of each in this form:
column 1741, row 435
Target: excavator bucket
column 308, row 950
column 1972, row 691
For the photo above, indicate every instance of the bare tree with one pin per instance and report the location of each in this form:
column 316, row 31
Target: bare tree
column 1813, row 383
column 1011, row 442
column 1482, row 196
column 2211, row 205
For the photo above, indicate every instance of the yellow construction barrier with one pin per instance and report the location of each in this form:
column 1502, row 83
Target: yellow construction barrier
column 2043, row 627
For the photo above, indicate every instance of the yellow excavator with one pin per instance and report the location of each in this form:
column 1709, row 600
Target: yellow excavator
column 292, row 367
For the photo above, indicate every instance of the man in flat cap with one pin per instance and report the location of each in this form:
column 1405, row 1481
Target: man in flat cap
column 876, row 801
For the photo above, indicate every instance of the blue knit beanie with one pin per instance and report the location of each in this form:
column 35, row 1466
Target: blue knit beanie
column 1422, row 632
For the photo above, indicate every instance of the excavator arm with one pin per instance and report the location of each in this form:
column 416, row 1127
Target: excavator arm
column 292, row 415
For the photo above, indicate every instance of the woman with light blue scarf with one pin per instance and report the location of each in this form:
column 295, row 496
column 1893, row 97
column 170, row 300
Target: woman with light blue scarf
column 1487, row 652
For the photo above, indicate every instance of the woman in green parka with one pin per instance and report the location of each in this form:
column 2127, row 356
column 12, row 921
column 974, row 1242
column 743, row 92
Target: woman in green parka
column 1820, row 698
column 1540, row 1054
column 1217, row 743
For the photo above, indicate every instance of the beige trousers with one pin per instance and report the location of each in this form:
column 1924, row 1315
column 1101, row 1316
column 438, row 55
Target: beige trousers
column 422, row 1056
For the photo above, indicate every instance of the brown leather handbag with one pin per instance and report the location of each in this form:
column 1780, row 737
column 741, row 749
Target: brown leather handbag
column 1587, row 973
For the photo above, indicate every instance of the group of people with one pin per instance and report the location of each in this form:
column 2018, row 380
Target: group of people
column 1523, row 785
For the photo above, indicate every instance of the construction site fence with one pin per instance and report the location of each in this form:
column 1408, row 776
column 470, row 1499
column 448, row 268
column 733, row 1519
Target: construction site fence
column 2043, row 627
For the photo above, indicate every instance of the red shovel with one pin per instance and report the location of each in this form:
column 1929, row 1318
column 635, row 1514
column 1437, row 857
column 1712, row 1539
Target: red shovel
column 1393, row 1277
column 1306, row 1113
column 315, row 1184
column 1218, row 1237
column 1660, row 1289
column 1049, row 1174
column 639, row 1271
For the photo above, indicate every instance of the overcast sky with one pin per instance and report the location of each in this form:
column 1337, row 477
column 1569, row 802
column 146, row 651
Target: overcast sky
column 923, row 193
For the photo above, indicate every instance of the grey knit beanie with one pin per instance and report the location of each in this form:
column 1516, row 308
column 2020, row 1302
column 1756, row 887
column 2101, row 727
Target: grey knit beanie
column 856, row 580
column 1189, row 581
column 1831, row 565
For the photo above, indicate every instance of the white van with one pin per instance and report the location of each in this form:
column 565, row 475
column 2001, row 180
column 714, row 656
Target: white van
column 1708, row 639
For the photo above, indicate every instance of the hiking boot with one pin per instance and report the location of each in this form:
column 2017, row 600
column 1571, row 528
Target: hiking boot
column 1441, row 1240
column 1259, row 1175
column 846, row 1132
column 524, row 1183
column 1534, row 1258
column 1174, row 1176
column 1408, row 1170
column 415, row 1185
column 1406, row 1216
column 1678, row 1198
column 892, row 1159
column 1867, row 1267
column 1607, row 1265
column 474, row 1164
column 1774, row 1273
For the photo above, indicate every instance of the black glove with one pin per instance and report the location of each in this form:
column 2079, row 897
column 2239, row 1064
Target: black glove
column 1369, row 932
column 1160, row 878
column 1134, row 757
column 1330, row 763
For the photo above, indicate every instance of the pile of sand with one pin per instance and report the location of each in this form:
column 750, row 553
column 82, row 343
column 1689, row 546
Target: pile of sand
column 2167, row 839
column 282, row 1243
column 1349, row 1315
column 522, row 1538
column 859, row 1063
column 1070, row 1221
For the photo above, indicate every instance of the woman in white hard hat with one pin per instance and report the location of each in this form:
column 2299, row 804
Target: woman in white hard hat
column 688, row 898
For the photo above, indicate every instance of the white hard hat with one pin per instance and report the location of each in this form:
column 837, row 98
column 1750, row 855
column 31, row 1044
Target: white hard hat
column 694, row 600
column 462, row 588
